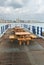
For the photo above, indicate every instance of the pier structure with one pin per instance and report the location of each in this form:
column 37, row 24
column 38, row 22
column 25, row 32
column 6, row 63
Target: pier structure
column 15, row 54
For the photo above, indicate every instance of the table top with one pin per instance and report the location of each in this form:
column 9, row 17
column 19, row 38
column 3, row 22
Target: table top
column 22, row 33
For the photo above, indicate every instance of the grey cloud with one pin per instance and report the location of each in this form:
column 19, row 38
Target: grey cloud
column 13, row 4
column 28, row 15
column 2, row 2
column 25, row 1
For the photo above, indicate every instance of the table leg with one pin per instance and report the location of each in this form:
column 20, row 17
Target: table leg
column 28, row 42
column 20, row 42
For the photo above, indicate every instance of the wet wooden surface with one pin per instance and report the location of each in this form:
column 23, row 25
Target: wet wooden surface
column 10, row 54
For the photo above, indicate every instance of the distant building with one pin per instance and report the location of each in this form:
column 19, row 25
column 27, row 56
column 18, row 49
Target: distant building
column 5, row 21
column 19, row 21
column 1, row 21
column 34, row 21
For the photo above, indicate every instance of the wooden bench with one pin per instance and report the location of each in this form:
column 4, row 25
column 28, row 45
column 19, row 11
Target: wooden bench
column 33, row 36
column 12, row 37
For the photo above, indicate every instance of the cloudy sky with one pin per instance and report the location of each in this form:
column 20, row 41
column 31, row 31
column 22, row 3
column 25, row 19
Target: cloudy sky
column 22, row 9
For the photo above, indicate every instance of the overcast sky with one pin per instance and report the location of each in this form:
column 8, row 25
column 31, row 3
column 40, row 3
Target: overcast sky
column 23, row 9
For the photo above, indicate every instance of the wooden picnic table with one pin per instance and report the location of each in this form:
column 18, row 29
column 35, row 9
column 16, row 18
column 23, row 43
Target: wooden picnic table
column 17, row 28
column 23, row 36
